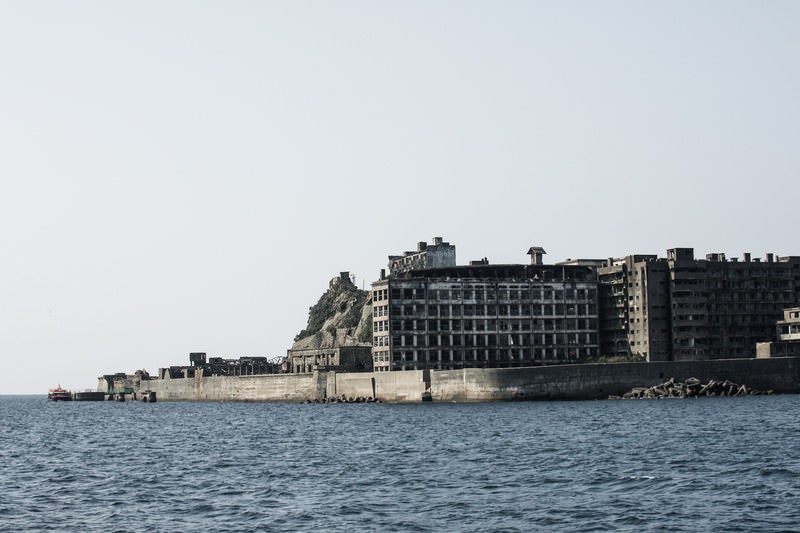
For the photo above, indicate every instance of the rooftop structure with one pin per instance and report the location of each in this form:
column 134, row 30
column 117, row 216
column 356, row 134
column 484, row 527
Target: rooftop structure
column 437, row 255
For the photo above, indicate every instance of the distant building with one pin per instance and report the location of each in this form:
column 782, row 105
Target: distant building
column 483, row 315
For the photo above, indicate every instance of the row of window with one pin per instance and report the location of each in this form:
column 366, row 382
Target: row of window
column 546, row 324
column 381, row 357
column 491, row 339
column 380, row 295
column 523, row 293
column 380, row 340
column 490, row 354
column 518, row 310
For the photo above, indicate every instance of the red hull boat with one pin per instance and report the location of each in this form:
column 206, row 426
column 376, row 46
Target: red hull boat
column 59, row 394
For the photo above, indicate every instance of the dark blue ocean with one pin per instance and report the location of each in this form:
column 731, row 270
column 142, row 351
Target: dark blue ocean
column 711, row 464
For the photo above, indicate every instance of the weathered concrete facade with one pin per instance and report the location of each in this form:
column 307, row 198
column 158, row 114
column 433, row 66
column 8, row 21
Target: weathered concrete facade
column 634, row 307
column 659, row 309
column 682, row 308
column 484, row 316
column 722, row 308
column 338, row 358
column 788, row 343
column 264, row 387
column 437, row 255
column 789, row 327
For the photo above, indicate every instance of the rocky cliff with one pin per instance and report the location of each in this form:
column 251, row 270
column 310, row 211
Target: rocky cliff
column 341, row 317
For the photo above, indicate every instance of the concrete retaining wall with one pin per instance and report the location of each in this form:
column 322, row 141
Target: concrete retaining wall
column 406, row 386
column 567, row 382
column 386, row 386
column 271, row 387
column 601, row 380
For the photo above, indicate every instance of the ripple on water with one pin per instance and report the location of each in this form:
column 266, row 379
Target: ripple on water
column 578, row 466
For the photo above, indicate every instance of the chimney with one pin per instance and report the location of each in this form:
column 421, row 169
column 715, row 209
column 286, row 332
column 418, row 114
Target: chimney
column 769, row 258
column 437, row 241
column 383, row 273
column 536, row 253
column 747, row 257
column 421, row 246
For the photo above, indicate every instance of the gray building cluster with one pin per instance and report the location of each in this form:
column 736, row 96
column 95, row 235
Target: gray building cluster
column 682, row 308
column 218, row 366
column 429, row 312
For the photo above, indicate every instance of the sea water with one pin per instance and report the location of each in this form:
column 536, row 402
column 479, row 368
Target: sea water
column 711, row 464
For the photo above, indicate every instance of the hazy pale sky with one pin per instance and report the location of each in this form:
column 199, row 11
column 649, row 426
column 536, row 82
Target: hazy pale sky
column 185, row 176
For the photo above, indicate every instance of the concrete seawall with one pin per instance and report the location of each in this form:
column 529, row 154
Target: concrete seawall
column 259, row 388
column 579, row 382
column 567, row 382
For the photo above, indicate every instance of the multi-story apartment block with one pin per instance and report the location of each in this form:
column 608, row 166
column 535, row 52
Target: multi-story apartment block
column 430, row 313
column 682, row 308
column 483, row 315
column 634, row 307
column 722, row 308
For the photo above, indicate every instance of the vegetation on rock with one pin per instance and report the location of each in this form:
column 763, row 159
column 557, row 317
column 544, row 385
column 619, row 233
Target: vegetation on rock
column 342, row 307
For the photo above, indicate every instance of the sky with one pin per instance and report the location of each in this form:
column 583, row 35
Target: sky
column 180, row 176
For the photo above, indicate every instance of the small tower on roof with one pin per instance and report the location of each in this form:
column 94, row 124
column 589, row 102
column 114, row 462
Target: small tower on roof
column 536, row 253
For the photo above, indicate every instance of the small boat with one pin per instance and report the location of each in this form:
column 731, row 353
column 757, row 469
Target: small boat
column 59, row 394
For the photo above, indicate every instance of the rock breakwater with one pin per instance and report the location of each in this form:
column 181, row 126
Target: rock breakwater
column 691, row 388
column 345, row 399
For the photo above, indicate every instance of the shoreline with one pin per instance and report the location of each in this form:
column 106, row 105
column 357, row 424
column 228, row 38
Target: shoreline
column 556, row 382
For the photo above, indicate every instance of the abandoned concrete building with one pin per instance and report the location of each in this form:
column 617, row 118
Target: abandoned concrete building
column 788, row 343
column 338, row 358
column 634, row 307
column 789, row 327
column 483, row 315
column 437, row 255
column 681, row 308
column 218, row 366
column 659, row 309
